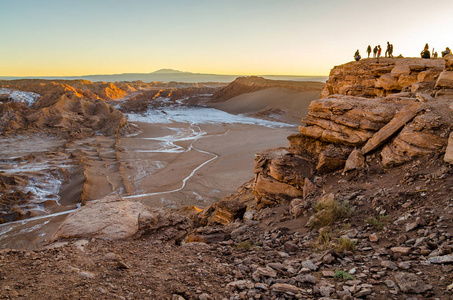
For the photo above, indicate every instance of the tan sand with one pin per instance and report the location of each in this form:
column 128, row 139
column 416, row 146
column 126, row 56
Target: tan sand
column 230, row 150
column 293, row 104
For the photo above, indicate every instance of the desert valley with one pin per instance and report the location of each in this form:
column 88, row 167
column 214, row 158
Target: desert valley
column 168, row 190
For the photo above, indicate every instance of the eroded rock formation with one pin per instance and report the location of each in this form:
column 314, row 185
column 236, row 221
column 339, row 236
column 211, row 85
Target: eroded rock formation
column 69, row 106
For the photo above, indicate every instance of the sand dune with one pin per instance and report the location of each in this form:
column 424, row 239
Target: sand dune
column 276, row 103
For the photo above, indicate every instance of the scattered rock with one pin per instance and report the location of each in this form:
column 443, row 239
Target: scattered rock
column 328, row 273
column 401, row 250
column 445, row 259
column 411, row 283
column 307, row 278
column 285, row 288
column 374, row 238
column 309, row 265
column 297, row 207
column 389, row 265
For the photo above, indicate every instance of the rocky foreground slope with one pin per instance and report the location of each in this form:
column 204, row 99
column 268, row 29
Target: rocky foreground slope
column 358, row 206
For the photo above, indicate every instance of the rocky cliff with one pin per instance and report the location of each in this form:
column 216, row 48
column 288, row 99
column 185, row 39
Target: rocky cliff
column 370, row 116
column 394, row 111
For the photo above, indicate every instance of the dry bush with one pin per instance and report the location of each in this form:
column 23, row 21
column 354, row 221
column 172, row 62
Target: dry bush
column 345, row 244
column 328, row 211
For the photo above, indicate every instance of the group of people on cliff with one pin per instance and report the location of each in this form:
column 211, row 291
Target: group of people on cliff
column 389, row 52
column 377, row 50
column 426, row 54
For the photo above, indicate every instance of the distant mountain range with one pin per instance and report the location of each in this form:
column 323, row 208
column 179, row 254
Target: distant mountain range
column 167, row 75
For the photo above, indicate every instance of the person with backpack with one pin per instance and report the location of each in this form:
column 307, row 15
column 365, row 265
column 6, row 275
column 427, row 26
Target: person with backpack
column 375, row 51
column 387, row 51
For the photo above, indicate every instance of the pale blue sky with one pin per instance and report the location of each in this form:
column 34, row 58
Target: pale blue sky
column 50, row 37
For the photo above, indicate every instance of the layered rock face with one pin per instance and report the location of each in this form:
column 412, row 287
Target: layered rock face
column 367, row 78
column 399, row 109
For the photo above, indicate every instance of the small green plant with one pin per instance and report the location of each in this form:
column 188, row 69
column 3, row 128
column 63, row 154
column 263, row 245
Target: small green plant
column 345, row 244
column 379, row 223
column 343, row 275
column 246, row 245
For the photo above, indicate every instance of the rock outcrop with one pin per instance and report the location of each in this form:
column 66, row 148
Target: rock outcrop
column 399, row 109
column 367, row 78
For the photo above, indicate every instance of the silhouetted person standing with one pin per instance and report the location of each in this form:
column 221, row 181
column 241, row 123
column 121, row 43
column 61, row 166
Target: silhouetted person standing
column 387, row 51
column 391, row 50
column 375, row 51
column 368, row 50
column 379, row 50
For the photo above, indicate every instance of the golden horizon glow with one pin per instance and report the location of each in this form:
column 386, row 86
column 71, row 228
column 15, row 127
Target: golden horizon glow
column 288, row 37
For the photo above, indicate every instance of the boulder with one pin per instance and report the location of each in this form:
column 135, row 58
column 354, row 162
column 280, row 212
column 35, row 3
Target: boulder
column 399, row 70
column 268, row 185
column 448, row 62
column 291, row 169
column 387, row 82
column 285, row 288
column 333, row 158
column 428, row 75
column 448, row 158
column 309, row 188
column 411, row 283
column 407, row 80
column 355, row 161
column 297, row 207
column 445, row 259
column 115, row 218
column 227, row 210
column 445, row 80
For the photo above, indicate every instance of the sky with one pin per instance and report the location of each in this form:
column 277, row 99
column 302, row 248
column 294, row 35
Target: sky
column 238, row 37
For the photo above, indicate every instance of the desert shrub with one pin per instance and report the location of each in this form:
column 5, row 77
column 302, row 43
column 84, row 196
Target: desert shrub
column 324, row 237
column 345, row 244
column 246, row 245
column 329, row 210
column 379, row 222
